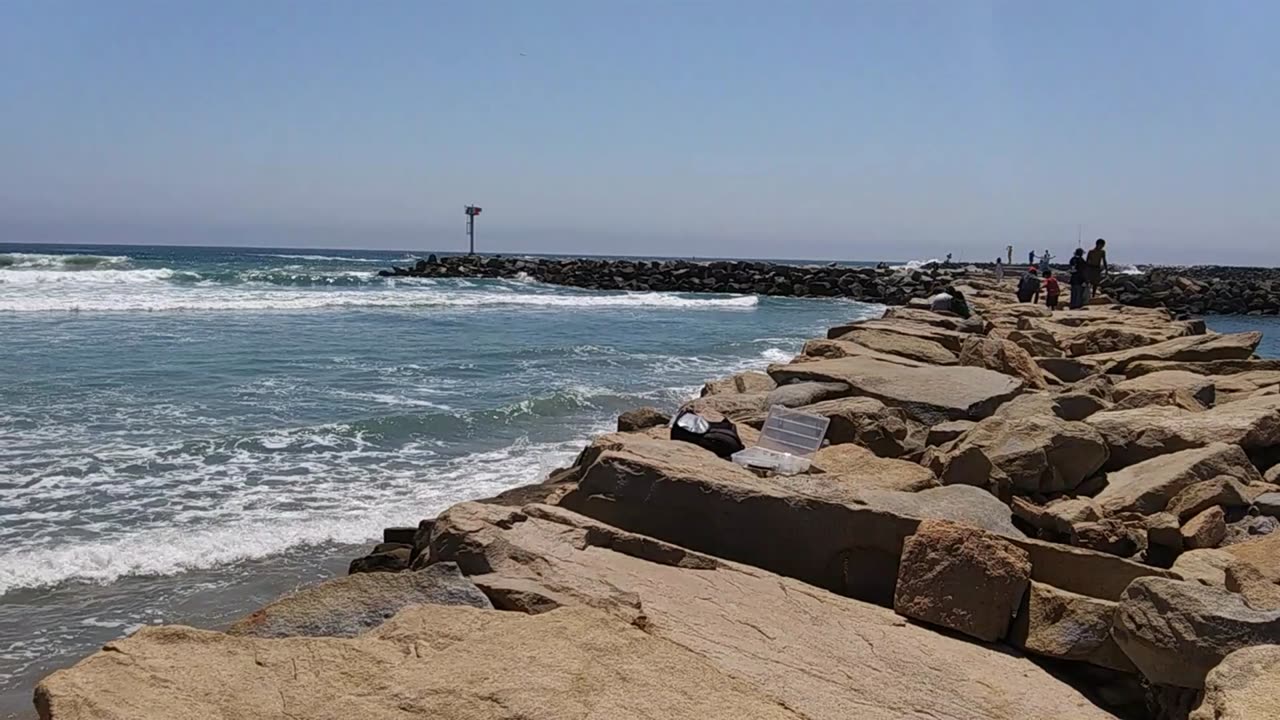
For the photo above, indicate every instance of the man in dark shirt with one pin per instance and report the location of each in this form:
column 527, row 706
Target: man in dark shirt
column 1096, row 264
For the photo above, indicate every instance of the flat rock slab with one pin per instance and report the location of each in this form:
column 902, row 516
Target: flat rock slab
column 930, row 394
column 1149, row 486
column 1143, row 433
column 897, row 343
column 1024, row 455
column 348, row 606
column 1212, row 367
column 823, row 656
column 1191, row 348
column 1164, row 381
column 948, row 339
column 860, row 469
column 430, row 661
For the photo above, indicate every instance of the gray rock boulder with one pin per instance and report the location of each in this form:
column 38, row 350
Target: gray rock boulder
column 1222, row 490
column 1165, row 381
column 1205, row 530
column 1068, row 626
column 348, row 606
column 886, row 431
column 929, row 394
column 1175, row 632
column 1244, row 686
column 1190, row 348
column 641, row 418
column 1032, row 454
column 1142, row 433
column 752, row 381
column 1002, row 356
column 1148, row 486
column 805, row 393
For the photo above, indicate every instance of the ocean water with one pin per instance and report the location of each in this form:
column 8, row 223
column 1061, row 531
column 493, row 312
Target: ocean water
column 188, row 433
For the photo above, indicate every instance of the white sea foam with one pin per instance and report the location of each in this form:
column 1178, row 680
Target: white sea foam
column 325, row 258
column 63, row 262
column 89, row 296
column 263, row 523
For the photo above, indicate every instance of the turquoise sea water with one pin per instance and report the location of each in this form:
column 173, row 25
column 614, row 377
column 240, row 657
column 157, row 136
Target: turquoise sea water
column 186, row 433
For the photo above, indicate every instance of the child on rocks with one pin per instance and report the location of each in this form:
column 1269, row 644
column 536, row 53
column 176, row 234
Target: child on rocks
column 1051, row 290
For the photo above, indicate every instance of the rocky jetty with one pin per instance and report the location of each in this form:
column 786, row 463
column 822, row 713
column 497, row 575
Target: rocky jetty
column 1022, row 515
column 1201, row 290
column 1196, row 290
column 881, row 285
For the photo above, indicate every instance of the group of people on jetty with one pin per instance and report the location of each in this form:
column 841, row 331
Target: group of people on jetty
column 1085, row 275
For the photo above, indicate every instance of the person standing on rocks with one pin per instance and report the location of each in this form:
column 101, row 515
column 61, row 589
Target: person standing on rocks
column 1051, row 290
column 1079, row 283
column 1029, row 286
column 999, row 270
column 1096, row 262
column 1045, row 259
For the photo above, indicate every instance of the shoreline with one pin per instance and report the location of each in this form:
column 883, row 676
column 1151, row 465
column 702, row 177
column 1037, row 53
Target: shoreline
column 925, row 400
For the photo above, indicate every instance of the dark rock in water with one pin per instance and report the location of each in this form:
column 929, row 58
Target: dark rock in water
column 641, row 418
column 391, row 561
column 348, row 606
column 401, row 535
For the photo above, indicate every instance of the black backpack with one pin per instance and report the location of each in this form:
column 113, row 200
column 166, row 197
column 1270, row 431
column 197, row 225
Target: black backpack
column 720, row 438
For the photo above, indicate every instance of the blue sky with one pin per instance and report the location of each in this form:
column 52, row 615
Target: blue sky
column 843, row 130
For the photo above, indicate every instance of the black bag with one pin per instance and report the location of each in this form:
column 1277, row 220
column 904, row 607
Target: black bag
column 720, row 438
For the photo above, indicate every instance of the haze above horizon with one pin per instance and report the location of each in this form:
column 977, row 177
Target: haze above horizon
column 824, row 130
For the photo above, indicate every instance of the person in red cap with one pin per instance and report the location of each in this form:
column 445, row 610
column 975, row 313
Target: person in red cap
column 1051, row 290
column 1029, row 286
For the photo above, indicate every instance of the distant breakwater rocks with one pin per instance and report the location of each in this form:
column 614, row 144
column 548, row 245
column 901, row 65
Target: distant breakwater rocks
column 880, row 285
column 1200, row 290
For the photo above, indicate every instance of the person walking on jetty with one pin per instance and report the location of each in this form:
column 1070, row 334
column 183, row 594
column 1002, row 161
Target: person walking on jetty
column 1031, row 257
column 1051, row 290
column 1029, row 286
column 1096, row 262
column 1079, row 284
column 999, row 270
column 1044, row 262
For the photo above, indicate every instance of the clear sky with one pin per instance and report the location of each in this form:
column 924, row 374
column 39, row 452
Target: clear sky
column 842, row 130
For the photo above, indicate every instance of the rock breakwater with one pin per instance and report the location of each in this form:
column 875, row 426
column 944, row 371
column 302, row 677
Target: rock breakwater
column 881, row 285
column 1087, row 491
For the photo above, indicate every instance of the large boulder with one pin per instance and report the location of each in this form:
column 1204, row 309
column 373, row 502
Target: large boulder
column 929, row 394
column 1097, row 339
column 1258, row 592
column 861, row 469
column 1039, row 343
column 1222, row 490
column 1215, row 368
column 1263, row 553
column 961, row 578
column 1245, row 384
column 1068, row 626
column 752, row 381
column 928, row 317
column 1165, row 382
column 816, row 533
column 1067, row 406
column 833, row 349
column 1207, row 567
column 1003, row 356
column 951, row 340
column 886, row 431
column 348, row 606
column 1189, row 348
column 822, row 656
column 1175, row 632
column 430, row 661
column 1033, row 454
column 1143, row 433
column 1149, row 486
column 734, row 406
column 1244, row 686
column 898, row 343
column 1205, row 530
column 641, row 418
column 805, row 393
